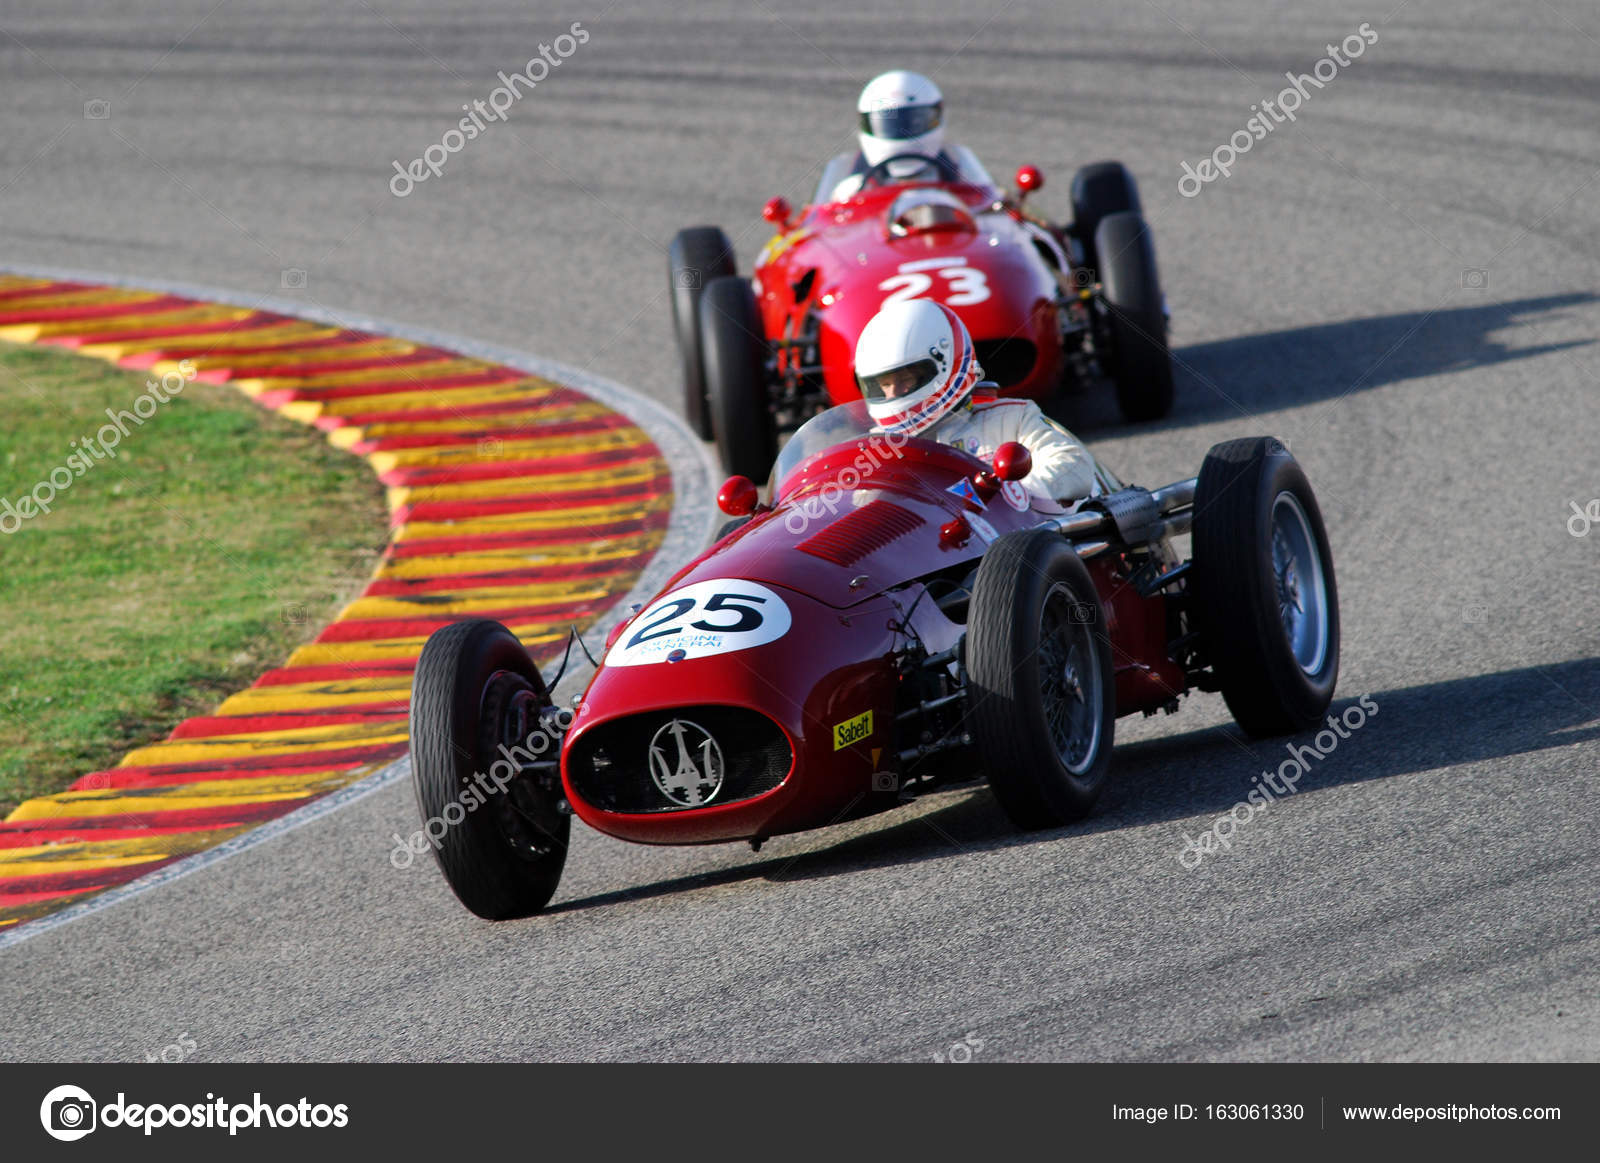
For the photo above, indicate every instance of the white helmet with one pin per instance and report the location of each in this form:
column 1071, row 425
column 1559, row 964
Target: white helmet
column 901, row 112
column 915, row 364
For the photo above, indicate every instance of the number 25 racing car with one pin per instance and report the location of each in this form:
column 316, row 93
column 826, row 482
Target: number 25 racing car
column 1045, row 303
column 898, row 618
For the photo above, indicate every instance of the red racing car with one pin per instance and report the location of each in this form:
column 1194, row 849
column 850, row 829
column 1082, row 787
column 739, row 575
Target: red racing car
column 901, row 617
column 1046, row 304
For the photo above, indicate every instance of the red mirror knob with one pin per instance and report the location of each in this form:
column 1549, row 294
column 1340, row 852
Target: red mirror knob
column 738, row 496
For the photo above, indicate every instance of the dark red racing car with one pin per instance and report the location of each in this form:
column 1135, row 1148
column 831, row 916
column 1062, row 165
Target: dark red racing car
column 900, row 617
column 1046, row 304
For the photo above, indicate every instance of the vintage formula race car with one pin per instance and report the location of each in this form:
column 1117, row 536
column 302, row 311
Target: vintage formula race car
column 899, row 617
column 1046, row 304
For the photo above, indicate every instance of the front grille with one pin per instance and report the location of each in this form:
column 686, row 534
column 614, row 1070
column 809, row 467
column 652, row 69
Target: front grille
column 1006, row 361
column 610, row 764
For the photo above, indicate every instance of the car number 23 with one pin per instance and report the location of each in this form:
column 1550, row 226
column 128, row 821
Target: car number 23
column 964, row 285
column 718, row 616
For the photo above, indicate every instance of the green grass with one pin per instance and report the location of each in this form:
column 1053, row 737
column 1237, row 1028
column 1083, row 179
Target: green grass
column 219, row 538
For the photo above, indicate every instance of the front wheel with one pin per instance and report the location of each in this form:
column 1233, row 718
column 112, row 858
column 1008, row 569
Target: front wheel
column 1040, row 684
column 734, row 350
column 1265, row 599
column 499, row 833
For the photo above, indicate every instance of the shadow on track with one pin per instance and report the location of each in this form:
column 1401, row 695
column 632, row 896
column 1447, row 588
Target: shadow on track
column 1204, row 773
column 1253, row 374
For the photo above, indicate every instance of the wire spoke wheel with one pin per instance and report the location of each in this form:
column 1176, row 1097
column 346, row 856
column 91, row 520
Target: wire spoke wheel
column 498, row 832
column 1069, row 682
column 1301, row 587
column 1039, row 679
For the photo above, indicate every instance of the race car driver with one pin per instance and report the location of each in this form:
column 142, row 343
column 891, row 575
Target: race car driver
column 918, row 371
column 901, row 113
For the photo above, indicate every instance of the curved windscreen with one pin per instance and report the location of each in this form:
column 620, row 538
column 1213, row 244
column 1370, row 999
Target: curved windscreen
column 841, row 425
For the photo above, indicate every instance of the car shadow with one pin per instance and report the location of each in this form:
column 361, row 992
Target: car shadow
column 1253, row 374
column 1205, row 773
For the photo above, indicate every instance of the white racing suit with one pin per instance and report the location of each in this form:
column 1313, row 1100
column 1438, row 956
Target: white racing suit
column 1063, row 470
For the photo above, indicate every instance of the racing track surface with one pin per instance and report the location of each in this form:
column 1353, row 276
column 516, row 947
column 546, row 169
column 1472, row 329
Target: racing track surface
column 1430, row 893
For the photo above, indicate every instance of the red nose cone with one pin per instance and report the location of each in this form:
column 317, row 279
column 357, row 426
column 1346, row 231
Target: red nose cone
column 1012, row 461
column 1029, row 179
column 738, row 496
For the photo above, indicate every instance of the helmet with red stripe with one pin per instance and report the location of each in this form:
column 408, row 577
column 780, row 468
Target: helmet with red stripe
column 915, row 364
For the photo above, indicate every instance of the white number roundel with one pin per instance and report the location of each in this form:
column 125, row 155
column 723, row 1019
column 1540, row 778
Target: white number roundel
column 718, row 616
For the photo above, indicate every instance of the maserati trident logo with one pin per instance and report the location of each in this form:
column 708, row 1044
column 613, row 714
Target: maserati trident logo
column 686, row 763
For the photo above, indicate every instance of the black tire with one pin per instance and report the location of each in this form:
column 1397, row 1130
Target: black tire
column 1100, row 190
column 697, row 255
column 1135, row 318
column 1275, row 680
column 476, row 688
column 734, row 351
column 1034, row 611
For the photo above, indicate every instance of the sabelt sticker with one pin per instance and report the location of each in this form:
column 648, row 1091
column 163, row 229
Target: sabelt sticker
column 852, row 730
column 982, row 527
column 718, row 616
column 1016, row 496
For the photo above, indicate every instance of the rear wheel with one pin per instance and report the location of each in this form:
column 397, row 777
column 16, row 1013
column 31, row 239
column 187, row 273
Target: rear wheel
column 735, row 354
column 1135, row 322
column 1265, row 598
column 1041, row 690
column 696, row 257
column 500, row 837
column 1099, row 190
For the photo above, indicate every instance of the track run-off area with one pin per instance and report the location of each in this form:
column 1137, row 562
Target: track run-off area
column 511, row 496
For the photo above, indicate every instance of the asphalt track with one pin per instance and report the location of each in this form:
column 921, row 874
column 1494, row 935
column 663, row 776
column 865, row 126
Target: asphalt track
column 1401, row 283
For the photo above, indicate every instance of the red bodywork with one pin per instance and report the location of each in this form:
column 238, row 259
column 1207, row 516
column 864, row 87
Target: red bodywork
column 849, row 577
column 841, row 262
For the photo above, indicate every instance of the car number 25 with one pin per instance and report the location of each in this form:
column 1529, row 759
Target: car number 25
column 718, row 616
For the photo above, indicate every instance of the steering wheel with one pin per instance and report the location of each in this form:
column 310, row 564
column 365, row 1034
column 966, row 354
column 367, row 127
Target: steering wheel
column 879, row 174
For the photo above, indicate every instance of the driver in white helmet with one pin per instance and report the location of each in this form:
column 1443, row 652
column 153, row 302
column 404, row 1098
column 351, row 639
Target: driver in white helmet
column 902, row 116
column 917, row 371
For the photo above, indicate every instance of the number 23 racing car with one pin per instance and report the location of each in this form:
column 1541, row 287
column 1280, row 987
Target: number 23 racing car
column 1045, row 303
column 899, row 617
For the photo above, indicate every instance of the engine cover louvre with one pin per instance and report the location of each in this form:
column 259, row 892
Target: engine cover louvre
column 860, row 532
